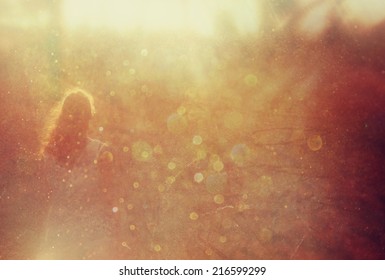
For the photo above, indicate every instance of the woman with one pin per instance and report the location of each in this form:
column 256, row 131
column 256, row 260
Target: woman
column 79, row 220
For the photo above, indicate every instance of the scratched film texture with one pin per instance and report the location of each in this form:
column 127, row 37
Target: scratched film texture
column 235, row 129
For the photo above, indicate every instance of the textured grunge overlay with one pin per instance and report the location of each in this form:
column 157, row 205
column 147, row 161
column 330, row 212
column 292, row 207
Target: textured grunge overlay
column 223, row 129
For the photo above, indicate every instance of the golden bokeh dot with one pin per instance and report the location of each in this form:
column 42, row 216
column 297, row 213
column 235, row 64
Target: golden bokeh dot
column 132, row 71
column 112, row 93
column 157, row 248
column 170, row 180
column 243, row 206
column 198, row 177
column 314, row 142
column 130, row 206
column 132, row 227
column 161, row 188
column 218, row 165
column 125, row 149
column 214, row 157
column 181, row 110
column 171, row 165
column 145, row 154
column 144, row 88
column 197, row 140
column 209, row 252
column 201, row 154
column 115, row 209
column 141, row 151
column 136, row 185
column 222, row 239
column 144, row 52
column 219, row 199
column 194, row 216
column 121, row 200
column 250, row 80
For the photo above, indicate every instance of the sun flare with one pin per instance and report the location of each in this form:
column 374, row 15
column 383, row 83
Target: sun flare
column 192, row 129
column 199, row 16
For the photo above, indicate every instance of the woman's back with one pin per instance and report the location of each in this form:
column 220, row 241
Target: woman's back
column 79, row 219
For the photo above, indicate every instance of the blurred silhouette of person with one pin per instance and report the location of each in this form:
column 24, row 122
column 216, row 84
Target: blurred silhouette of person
column 79, row 223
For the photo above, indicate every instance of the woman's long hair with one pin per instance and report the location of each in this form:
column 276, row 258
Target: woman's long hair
column 66, row 134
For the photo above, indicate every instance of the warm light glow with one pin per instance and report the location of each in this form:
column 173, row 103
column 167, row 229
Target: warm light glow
column 369, row 12
column 224, row 129
column 196, row 15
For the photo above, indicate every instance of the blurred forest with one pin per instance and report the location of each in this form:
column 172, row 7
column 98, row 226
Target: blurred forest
column 264, row 145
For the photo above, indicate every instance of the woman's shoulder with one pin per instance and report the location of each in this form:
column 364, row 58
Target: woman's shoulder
column 102, row 151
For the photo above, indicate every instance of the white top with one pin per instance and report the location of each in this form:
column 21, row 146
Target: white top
column 79, row 218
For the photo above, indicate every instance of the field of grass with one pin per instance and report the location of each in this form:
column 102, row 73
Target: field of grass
column 230, row 146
